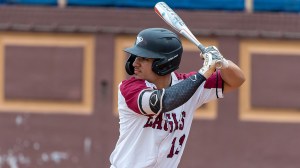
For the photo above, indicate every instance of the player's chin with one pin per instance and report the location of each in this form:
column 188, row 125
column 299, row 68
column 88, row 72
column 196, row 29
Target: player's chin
column 138, row 76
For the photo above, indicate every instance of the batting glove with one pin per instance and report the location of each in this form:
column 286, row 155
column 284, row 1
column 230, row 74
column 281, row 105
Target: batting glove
column 213, row 51
column 208, row 61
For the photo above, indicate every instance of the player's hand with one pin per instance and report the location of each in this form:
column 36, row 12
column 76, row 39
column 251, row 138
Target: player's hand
column 216, row 56
column 206, row 64
column 209, row 65
column 208, row 70
column 211, row 55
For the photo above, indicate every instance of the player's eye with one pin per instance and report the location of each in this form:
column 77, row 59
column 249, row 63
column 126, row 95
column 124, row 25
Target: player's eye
column 145, row 59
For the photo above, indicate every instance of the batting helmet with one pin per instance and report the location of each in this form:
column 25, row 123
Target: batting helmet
column 161, row 44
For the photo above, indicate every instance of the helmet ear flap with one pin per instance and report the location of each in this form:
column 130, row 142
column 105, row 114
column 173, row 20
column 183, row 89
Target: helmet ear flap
column 128, row 65
column 155, row 67
column 162, row 67
column 165, row 66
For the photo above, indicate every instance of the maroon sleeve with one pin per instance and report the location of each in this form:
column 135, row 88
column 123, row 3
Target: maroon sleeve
column 214, row 81
column 183, row 76
column 131, row 89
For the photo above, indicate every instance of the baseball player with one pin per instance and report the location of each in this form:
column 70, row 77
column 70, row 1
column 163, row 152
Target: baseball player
column 156, row 105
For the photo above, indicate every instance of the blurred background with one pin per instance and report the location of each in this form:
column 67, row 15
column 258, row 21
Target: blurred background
column 61, row 62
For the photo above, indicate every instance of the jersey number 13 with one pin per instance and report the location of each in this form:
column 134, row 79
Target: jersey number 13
column 173, row 150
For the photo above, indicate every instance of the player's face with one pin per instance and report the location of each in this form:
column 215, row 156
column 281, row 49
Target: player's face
column 143, row 68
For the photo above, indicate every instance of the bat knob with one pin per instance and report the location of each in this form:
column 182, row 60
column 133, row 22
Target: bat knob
column 219, row 64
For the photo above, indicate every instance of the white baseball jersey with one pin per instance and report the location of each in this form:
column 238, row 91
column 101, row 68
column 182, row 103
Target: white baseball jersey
column 157, row 141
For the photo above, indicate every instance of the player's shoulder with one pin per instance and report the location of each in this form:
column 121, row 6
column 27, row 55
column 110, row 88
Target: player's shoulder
column 182, row 76
column 132, row 81
column 132, row 84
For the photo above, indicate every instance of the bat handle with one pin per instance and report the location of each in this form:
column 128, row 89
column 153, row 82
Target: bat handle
column 201, row 47
column 219, row 64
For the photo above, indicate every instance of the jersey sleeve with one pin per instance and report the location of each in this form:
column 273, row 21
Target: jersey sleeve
column 131, row 89
column 211, row 89
column 182, row 76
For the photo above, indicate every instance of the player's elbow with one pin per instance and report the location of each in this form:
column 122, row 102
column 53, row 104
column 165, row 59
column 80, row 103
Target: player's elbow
column 240, row 80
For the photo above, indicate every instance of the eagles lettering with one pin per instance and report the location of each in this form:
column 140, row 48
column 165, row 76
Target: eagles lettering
column 170, row 123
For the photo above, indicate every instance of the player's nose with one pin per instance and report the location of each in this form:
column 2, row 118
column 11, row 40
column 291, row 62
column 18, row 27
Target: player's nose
column 136, row 62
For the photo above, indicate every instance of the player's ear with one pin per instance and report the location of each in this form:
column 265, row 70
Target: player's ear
column 128, row 65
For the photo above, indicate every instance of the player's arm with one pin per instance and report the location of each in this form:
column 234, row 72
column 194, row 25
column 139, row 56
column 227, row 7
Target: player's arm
column 231, row 74
column 164, row 100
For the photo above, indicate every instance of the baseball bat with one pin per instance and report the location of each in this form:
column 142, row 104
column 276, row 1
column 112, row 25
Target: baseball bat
column 171, row 18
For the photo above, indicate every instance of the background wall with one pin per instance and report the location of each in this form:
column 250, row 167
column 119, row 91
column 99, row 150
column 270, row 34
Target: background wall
column 59, row 68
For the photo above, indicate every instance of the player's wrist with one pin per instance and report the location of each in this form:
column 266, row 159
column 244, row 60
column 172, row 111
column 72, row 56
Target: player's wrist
column 203, row 70
column 208, row 70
